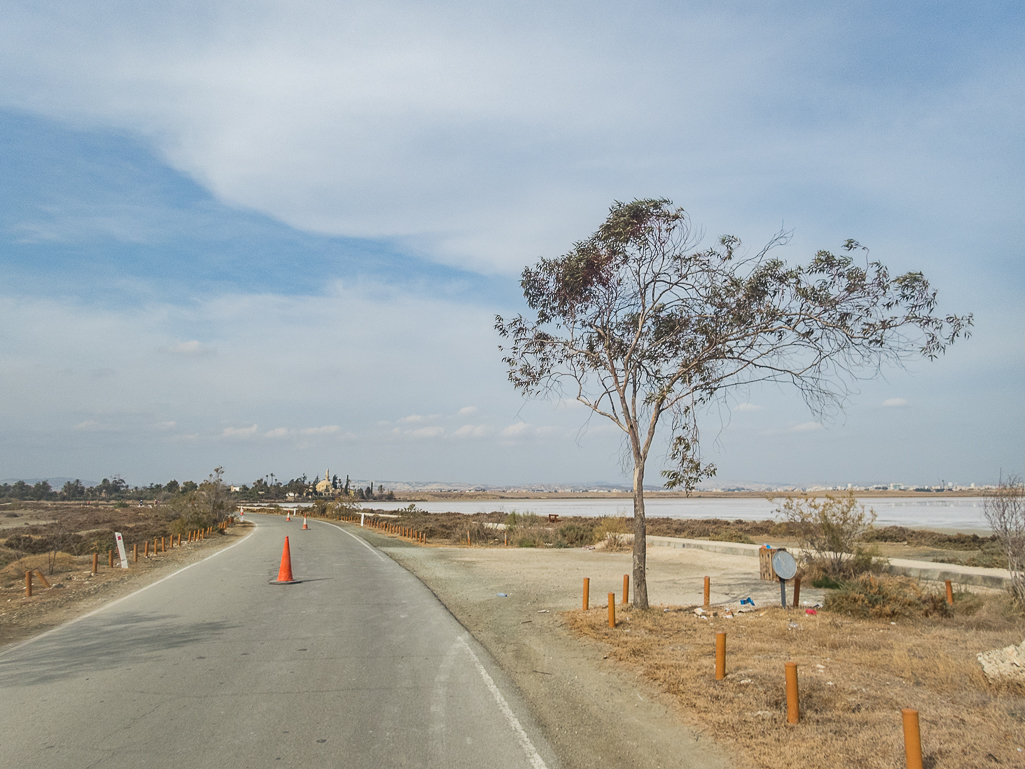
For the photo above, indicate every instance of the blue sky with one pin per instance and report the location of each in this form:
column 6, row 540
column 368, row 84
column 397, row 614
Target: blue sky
column 274, row 236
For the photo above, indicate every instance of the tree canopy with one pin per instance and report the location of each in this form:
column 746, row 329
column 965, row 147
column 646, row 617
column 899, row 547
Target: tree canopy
column 637, row 323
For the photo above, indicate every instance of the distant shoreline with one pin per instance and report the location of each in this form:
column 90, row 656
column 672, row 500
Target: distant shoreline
column 422, row 496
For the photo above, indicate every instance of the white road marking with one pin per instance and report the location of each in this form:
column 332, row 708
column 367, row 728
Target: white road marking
column 362, row 541
column 528, row 747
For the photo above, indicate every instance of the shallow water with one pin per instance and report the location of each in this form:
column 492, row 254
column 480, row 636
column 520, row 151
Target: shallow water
column 961, row 513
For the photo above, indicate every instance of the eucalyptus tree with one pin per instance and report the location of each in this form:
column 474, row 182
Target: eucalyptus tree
column 646, row 330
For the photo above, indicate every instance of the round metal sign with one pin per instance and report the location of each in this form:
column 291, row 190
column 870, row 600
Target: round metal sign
column 784, row 565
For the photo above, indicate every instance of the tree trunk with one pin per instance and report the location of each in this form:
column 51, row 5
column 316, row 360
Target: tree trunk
column 640, row 547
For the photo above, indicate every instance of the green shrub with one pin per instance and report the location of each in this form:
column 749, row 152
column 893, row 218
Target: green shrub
column 730, row 535
column 576, row 535
column 886, row 597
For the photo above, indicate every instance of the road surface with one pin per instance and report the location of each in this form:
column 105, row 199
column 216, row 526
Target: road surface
column 357, row 665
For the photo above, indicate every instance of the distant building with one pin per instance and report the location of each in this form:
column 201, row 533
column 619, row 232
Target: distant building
column 324, row 486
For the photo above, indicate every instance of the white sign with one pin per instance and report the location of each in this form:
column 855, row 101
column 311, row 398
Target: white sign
column 121, row 549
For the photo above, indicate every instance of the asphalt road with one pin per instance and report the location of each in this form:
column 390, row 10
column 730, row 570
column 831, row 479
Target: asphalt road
column 358, row 665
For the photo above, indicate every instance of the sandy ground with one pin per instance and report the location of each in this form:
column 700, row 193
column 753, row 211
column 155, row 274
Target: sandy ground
column 594, row 714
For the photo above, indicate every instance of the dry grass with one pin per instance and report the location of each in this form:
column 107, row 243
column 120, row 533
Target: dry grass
column 855, row 676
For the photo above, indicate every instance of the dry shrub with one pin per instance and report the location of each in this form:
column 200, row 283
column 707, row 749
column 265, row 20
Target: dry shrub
column 886, row 597
column 855, row 676
column 14, row 573
column 730, row 534
column 612, row 531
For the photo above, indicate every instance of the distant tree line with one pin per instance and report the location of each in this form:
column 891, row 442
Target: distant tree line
column 116, row 489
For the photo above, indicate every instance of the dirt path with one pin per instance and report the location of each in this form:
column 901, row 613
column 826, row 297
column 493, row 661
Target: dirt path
column 595, row 714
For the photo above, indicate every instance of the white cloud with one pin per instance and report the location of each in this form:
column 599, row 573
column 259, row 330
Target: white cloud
column 806, row 427
column 472, row 431
column 277, row 432
column 239, row 432
column 414, row 418
column 426, row 432
column 192, row 349
column 325, row 430
column 747, row 407
column 465, row 411
column 169, row 425
column 895, row 403
column 516, row 430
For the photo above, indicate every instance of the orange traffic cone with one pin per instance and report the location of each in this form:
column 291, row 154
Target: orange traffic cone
column 304, row 523
column 288, row 516
column 285, row 572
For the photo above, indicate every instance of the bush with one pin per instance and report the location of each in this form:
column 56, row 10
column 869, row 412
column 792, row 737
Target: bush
column 612, row 532
column 730, row 535
column 576, row 534
column 886, row 597
column 829, row 532
column 1005, row 513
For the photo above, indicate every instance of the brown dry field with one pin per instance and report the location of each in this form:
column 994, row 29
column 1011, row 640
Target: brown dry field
column 855, row 677
column 75, row 591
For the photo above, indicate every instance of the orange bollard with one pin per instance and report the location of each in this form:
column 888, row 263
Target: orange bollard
column 720, row 655
column 708, row 591
column 950, row 593
column 110, row 558
column 155, row 551
column 145, row 549
column 912, row 739
column 285, row 570
column 163, row 549
column 135, row 552
column 587, row 589
column 96, row 562
column 507, row 539
column 468, row 538
column 179, row 540
column 28, row 584
column 612, row 609
column 793, row 704
column 626, row 589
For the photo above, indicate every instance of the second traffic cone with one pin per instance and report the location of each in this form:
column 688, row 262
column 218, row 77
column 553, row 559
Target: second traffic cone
column 304, row 523
column 288, row 516
column 285, row 572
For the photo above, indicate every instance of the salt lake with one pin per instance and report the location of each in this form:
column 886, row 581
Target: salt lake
column 957, row 513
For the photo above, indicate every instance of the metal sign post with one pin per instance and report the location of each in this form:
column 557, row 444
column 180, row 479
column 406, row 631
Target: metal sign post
column 786, row 568
column 121, row 550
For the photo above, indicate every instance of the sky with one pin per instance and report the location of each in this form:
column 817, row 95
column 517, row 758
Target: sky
column 274, row 236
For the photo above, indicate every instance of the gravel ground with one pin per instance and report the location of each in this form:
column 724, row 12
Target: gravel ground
column 595, row 715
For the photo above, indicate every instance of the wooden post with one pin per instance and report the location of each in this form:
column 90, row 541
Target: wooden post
column 720, row 655
column 708, row 591
column 797, row 592
column 96, row 562
column 135, row 552
column 587, row 589
column 950, row 593
column 912, row 739
column 43, row 579
column 162, row 548
column 612, row 610
column 28, row 584
column 110, row 558
column 145, row 549
column 793, row 704
column 626, row 589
